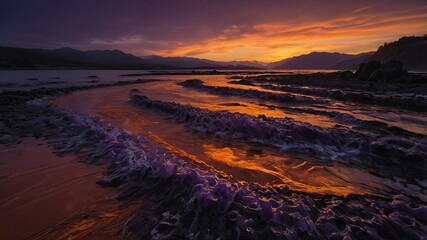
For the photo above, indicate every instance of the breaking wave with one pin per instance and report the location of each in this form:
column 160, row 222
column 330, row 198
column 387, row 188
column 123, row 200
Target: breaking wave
column 288, row 134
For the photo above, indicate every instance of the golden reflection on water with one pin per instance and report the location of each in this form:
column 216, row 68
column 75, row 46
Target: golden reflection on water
column 310, row 178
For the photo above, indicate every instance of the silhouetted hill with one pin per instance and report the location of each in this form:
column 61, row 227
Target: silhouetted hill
column 354, row 62
column 181, row 62
column 68, row 58
column 11, row 58
column 314, row 60
column 111, row 57
column 189, row 62
column 252, row 64
column 411, row 51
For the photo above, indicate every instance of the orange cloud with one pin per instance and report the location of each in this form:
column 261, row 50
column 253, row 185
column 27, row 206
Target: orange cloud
column 362, row 29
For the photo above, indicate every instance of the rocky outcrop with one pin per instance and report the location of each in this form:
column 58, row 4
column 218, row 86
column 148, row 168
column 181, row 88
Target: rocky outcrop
column 365, row 70
column 374, row 71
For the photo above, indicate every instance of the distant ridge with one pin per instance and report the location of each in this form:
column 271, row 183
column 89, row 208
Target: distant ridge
column 354, row 62
column 181, row 62
column 69, row 58
column 411, row 51
column 189, row 62
column 321, row 60
column 111, row 57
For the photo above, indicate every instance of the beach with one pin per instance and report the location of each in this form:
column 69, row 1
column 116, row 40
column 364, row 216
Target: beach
column 160, row 155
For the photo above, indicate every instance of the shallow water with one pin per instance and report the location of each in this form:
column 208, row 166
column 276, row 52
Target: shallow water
column 326, row 147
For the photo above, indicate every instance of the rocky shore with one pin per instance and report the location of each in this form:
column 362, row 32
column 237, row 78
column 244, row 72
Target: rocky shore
column 373, row 83
column 189, row 202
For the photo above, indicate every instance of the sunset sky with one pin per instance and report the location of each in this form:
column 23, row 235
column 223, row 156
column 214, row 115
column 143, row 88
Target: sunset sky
column 221, row 30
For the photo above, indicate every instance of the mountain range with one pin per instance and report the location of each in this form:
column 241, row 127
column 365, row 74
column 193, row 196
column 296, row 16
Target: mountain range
column 411, row 51
column 322, row 60
column 189, row 62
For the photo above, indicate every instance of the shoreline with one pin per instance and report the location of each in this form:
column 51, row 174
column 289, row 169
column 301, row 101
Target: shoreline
column 175, row 197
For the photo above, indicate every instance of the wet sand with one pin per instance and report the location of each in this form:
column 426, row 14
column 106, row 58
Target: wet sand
column 46, row 196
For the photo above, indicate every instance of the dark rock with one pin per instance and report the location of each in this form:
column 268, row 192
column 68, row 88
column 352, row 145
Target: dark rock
column 243, row 82
column 92, row 76
column 197, row 83
column 236, row 77
column 366, row 70
column 359, row 70
column 390, row 71
column 233, row 104
column 346, row 75
column 374, row 71
column 134, row 91
column 132, row 75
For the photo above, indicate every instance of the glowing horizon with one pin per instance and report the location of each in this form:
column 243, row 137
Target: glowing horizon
column 222, row 31
column 309, row 38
